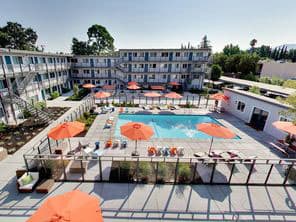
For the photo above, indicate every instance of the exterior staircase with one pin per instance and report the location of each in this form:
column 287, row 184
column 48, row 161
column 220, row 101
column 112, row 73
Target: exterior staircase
column 20, row 86
column 39, row 117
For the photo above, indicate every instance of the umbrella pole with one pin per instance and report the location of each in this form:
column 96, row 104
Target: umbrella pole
column 69, row 144
column 135, row 153
column 211, row 145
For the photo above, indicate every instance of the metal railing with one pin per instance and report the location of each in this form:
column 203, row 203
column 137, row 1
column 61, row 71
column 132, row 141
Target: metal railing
column 166, row 170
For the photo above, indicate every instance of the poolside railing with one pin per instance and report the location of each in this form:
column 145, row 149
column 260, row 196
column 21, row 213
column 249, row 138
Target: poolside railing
column 165, row 170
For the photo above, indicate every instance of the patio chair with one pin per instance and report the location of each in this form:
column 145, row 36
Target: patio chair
column 146, row 107
column 166, row 151
column 181, row 151
column 152, row 151
column 173, row 151
column 96, row 153
column 123, row 143
column 216, row 153
column 159, row 151
column 162, row 107
column 240, row 155
column 116, row 143
column 174, row 107
column 109, row 143
column 27, row 182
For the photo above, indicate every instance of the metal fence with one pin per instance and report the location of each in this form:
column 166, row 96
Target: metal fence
column 43, row 146
column 165, row 170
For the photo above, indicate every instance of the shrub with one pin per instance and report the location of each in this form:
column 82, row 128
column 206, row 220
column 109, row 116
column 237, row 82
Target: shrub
column 54, row 95
column 162, row 172
column 255, row 89
column 86, row 115
column 27, row 113
column 75, row 90
column 65, row 90
column 184, row 172
column 290, row 84
column 3, row 127
column 40, row 105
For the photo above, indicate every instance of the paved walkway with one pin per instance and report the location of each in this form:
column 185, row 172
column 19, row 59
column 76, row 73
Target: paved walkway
column 131, row 202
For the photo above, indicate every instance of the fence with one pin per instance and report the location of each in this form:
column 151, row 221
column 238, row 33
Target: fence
column 165, row 170
column 199, row 101
column 43, row 146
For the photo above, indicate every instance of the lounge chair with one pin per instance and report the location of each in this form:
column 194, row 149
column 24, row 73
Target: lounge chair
column 181, row 151
column 174, row 107
column 27, row 182
column 116, row 143
column 162, row 107
column 152, row 151
column 87, row 151
column 123, row 143
column 121, row 110
column 97, row 153
column 201, row 155
column 109, row 143
column 146, row 107
column 240, row 155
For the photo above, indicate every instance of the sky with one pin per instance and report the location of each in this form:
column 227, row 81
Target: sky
column 156, row 23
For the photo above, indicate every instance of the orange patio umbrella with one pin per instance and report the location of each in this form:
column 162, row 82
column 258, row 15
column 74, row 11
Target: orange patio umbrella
column 66, row 130
column 132, row 83
column 133, row 87
column 152, row 95
column 73, row 206
column 88, row 86
column 173, row 95
column 136, row 131
column 287, row 127
column 219, row 96
column 215, row 130
column 174, row 84
column 102, row 95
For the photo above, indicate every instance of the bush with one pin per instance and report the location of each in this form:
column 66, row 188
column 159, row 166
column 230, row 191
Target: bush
column 162, row 172
column 86, row 115
column 255, row 89
column 290, row 84
column 27, row 114
column 65, row 90
column 144, row 171
column 54, row 95
column 3, row 127
column 40, row 105
column 184, row 172
column 250, row 77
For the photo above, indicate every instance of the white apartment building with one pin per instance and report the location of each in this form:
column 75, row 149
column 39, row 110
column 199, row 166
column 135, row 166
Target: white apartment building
column 27, row 76
column 147, row 67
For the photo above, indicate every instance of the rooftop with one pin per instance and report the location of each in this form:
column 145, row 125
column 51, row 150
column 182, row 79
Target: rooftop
column 268, row 87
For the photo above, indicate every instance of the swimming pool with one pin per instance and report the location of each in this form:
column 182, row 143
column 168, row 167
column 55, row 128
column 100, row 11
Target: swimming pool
column 169, row 126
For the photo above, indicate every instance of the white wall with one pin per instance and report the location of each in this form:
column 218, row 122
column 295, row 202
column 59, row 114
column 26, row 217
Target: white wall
column 282, row 70
column 250, row 103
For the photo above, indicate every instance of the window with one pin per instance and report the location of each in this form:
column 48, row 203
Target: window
column 125, row 54
column 43, row 60
column 241, row 106
column 49, row 60
column 164, row 54
column 165, row 66
column 153, row 54
column 141, row 54
column 152, row 66
column 60, row 74
column 52, row 75
column 86, row 71
column 75, row 71
column 45, row 76
column 135, row 54
column 135, row 65
column 2, row 86
column 285, row 119
column 141, row 66
column 184, row 66
column 17, row 60
column 98, row 71
column 177, row 65
column 185, row 54
column 178, row 54
column 164, row 76
column 85, row 60
column 152, row 76
column 183, row 76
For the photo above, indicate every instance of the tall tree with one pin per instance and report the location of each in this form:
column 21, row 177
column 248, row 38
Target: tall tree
column 231, row 49
column 216, row 72
column 205, row 43
column 253, row 42
column 81, row 48
column 13, row 35
column 100, row 39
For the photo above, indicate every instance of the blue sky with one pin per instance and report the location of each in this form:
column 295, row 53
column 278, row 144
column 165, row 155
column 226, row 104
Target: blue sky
column 156, row 23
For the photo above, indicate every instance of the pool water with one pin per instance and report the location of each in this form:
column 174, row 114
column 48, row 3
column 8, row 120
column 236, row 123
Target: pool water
column 169, row 126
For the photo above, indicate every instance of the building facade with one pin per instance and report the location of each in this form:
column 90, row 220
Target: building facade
column 144, row 66
column 27, row 77
column 257, row 111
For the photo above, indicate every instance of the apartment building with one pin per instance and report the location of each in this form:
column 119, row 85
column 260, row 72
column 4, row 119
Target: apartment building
column 148, row 67
column 27, row 77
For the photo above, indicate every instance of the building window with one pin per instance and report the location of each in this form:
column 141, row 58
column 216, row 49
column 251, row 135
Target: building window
column 152, row 66
column 185, row 54
column 183, row 76
column 177, row 65
column 125, row 54
column 135, row 65
column 164, row 54
column 178, row 54
column 85, row 60
column 86, row 71
column 141, row 66
column 153, row 54
column 164, row 76
column 52, row 75
column 285, row 119
column 135, row 54
column 141, row 54
column 184, row 66
column 241, row 106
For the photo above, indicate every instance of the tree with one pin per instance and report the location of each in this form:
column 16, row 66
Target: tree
column 248, row 63
column 75, row 90
column 220, row 59
column 100, row 39
column 81, row 48
column 216, row 72
column 205, row 43
column 253, row 42
column 231, row 50
column 13, row 35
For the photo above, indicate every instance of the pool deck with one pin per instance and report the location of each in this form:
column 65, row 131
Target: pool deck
column 137, row 202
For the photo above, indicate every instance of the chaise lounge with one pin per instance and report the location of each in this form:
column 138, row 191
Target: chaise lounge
column 27, row 182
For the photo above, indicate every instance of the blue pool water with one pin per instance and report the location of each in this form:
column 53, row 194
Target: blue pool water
column 169, row 126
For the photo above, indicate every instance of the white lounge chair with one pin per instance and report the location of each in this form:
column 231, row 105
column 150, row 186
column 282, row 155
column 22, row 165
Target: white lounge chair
column 25, row 188
column 181, row 151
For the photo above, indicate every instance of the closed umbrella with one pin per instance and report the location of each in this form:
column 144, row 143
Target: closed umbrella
column 88, row 86
column 219, row 96
column 132, row 83
column 73, row 206
column 287, row 127
column 136, row 131
column 133, row 87
column 215, row 130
